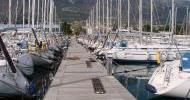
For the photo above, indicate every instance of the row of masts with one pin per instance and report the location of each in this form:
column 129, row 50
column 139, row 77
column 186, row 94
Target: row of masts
column 94, row 20
column 45, row 18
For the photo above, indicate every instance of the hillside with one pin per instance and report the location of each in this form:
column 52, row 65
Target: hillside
column 74, row 9
column 79, row 9
column 71, row 10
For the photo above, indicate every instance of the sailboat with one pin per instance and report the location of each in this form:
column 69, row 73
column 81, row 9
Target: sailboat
column 172, row 78
column 12, row 81
column 143, row 52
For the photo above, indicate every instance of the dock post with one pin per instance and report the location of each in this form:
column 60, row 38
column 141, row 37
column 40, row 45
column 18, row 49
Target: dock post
column 109, row 61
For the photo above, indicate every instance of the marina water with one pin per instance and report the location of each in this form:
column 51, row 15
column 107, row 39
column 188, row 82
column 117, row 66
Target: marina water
column 136, row 81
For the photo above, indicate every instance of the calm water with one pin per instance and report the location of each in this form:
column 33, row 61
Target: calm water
column 136, row 81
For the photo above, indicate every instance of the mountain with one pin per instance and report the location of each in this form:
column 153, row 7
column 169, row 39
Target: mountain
column 79, row 9
column 72, row 10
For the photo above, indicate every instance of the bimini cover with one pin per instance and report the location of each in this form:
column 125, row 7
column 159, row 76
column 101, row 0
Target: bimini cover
column 185, row 62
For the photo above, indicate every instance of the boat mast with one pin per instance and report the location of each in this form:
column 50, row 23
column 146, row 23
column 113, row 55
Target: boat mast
column 96, row 15
column 170, row 21
column 151, row 16
column 118, row 13
column 90, row 19
column 38, row 12
column 99, row 18
column 173, row 17
column 45, row 6
column 111, row 16
column 42, row 12
column 55, row 23
column 128, row 15
column 103, row 10
column 16, row 13
column 140, row 20
column 10, row 4
column 33, row 13
column 107, row 25
column 55, row 12
column 23, row 13
column 187, row 20
column 47, row 11
column 107, row 16
column 98, row 23
column 175, row 23
column 50, row 15
column 29, row 9
column 93, row 18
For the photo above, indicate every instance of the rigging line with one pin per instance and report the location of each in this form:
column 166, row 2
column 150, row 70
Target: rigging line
column 183, row 25
column 167, row 21
column 175, row 43
column 134, row 13
column 16, row 13
column 159, row 22
column 128, row 71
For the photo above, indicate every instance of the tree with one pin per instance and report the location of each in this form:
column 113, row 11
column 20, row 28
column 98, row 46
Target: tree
column 66, row 28
column 115, row 27
column 146, row 27
column 77, row 27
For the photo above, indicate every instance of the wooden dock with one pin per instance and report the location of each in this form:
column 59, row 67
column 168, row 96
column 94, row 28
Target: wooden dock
column 73, row 81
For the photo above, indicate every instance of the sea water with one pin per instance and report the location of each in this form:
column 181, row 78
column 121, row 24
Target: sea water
column 135, row 82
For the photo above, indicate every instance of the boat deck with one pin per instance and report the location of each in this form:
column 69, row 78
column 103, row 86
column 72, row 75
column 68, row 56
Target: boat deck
column 73, row 81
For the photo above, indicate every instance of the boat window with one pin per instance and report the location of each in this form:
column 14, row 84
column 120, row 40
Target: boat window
column 123, row 43
column 23, row 44
column 185, row 62
column 108, row 44
column 113, row 44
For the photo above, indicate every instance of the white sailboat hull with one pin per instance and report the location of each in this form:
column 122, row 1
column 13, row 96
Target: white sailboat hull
column 182, row 90
column 168, row 80
column 144, row 55
column 134, row 56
